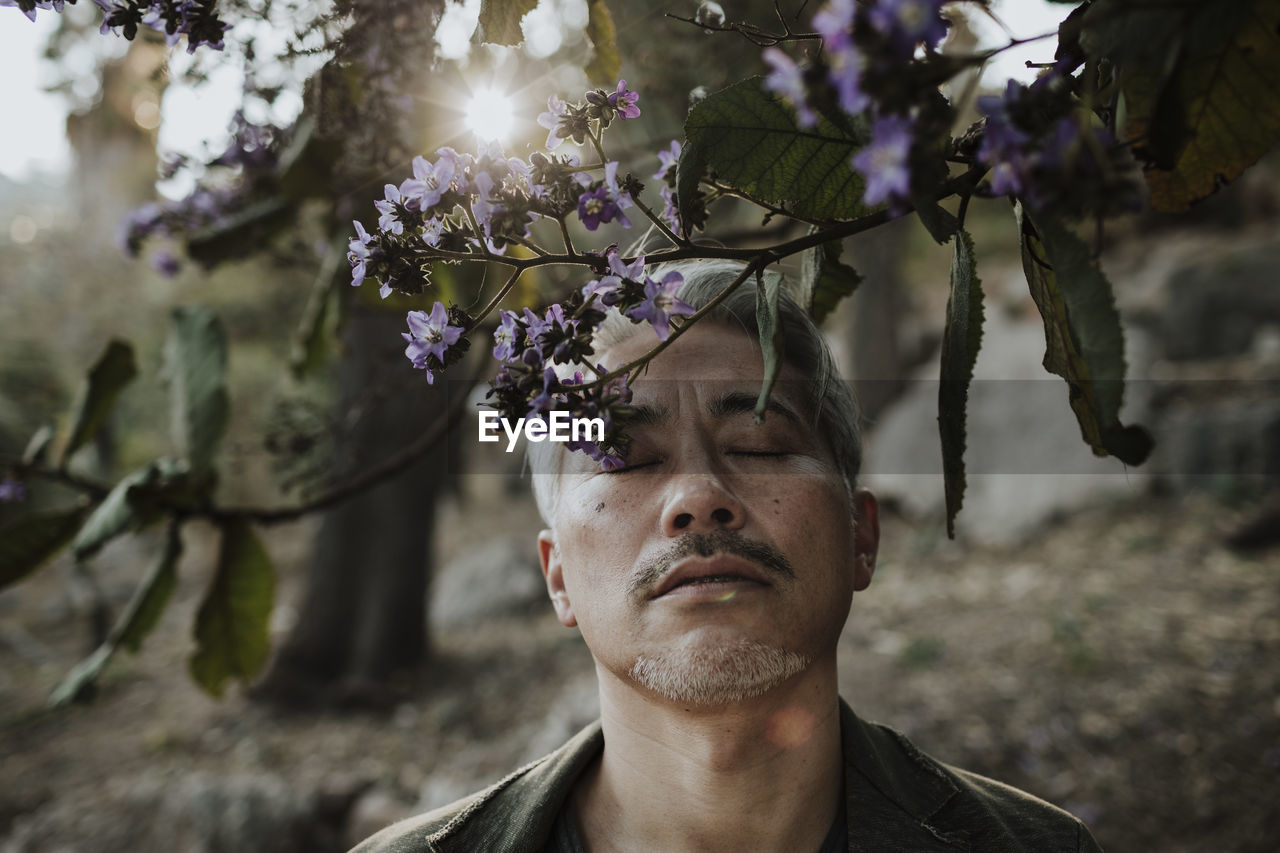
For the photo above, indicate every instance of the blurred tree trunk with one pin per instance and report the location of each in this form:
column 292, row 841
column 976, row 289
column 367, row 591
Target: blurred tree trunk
column 879, row 305
column 362, row 627
column 362, row 620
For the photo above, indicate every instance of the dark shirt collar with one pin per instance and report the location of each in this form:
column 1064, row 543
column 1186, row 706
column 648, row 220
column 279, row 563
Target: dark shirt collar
column 891, row 792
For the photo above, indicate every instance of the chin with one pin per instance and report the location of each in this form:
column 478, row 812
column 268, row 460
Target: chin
column 696, row 672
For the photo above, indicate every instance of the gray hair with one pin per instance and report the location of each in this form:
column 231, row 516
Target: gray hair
column 828, row 399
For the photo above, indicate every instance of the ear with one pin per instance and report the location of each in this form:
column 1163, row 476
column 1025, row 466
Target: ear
column 866, row 540
column 553, row 574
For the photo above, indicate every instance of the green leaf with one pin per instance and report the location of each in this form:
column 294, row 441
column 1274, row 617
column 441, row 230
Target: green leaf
column 78, row 684
column 768, row 288
column 961, row 339
column 32, row 538
column 119, row 510
column 113, row 370
column 750, row 139
column 500, row 20
column 1202, row 88
column 690, row 168
column 198, row 393
column 232, row 625
column 1084, row 341
column 605, row 66
column 243, row 231
column 311, row 340
column 141, row 616
column 936, row 219
column 152, row 595
column 38, row 447
column 825, row 280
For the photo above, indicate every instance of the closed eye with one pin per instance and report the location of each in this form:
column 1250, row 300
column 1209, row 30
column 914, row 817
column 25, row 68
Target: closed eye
column 760, row 454
column 627, row 469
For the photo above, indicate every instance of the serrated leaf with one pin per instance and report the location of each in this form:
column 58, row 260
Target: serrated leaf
column 936, row 219
column 199, row 406
column 605, row 66
column 825, row 280
column 30, row 540
column 1202, row 88
column 768, row 288
column 689, row 171
column 961, row 339
column 139, row 618
column 1084, row 341
column 500, row 20
column 116, row 514
column 750, row 139
column 113, row 370
column 232, row 624
column 152, row 595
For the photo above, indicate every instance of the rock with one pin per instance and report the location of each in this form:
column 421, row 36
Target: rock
column 1025, row 460
column 196, row 813
column 1218, row 306
column 495, row 578
column 1222, row 443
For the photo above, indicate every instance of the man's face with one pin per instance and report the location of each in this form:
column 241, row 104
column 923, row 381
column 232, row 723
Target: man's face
column 724, row 550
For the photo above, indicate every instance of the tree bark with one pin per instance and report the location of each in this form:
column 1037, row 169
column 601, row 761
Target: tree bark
column 362, row 621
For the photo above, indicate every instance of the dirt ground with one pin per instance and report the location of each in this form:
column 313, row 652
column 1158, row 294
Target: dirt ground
column 1124, row 665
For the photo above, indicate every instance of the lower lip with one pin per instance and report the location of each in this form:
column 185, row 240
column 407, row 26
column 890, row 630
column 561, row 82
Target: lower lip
column 714, row 591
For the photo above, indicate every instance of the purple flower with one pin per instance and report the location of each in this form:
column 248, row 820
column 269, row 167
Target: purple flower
column 624, row 101
column 388, row 222
column 908, row 22
column 605, row 202
column 670, row 213
column 595, row 206
column 432, row 231
column 668, row 158
column 787, row 80
column 660, row 304
column 834, row 22
column 1004, row 145
column 166, row 263
column 631, row 272
column 884, row 162
column 11, row 490
column 429, row 335
column 358, row 254
column 551, row 121
column 619, row 271
column 845, row 73
column 506, row 336
column 544, row 400
column 483, row 207
column 429, row 182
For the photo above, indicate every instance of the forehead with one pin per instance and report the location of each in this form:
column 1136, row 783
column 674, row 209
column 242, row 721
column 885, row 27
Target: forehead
column 709, row 352
column 714, row 369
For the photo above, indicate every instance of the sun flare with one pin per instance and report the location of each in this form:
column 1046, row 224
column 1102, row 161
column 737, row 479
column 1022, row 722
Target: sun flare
column 489, row 114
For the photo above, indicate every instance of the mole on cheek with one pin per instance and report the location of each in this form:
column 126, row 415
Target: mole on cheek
column 600, row 506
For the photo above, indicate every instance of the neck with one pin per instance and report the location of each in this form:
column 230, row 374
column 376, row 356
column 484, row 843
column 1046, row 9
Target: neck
column 765, row 774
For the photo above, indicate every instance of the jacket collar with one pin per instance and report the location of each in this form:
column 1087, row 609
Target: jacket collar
column 892, row 793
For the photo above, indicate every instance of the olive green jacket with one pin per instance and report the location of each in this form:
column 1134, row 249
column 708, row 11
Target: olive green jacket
column 899, row 799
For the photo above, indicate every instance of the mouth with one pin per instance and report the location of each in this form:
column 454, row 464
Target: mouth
column 700, row 575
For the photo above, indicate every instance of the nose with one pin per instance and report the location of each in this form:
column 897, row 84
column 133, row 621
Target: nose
column 700, row 503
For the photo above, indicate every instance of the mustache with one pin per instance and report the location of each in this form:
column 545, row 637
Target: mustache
column 708, row 545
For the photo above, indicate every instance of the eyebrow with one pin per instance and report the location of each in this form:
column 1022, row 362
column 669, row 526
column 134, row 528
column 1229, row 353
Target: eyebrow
column 724, row 406
column 742, row 403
